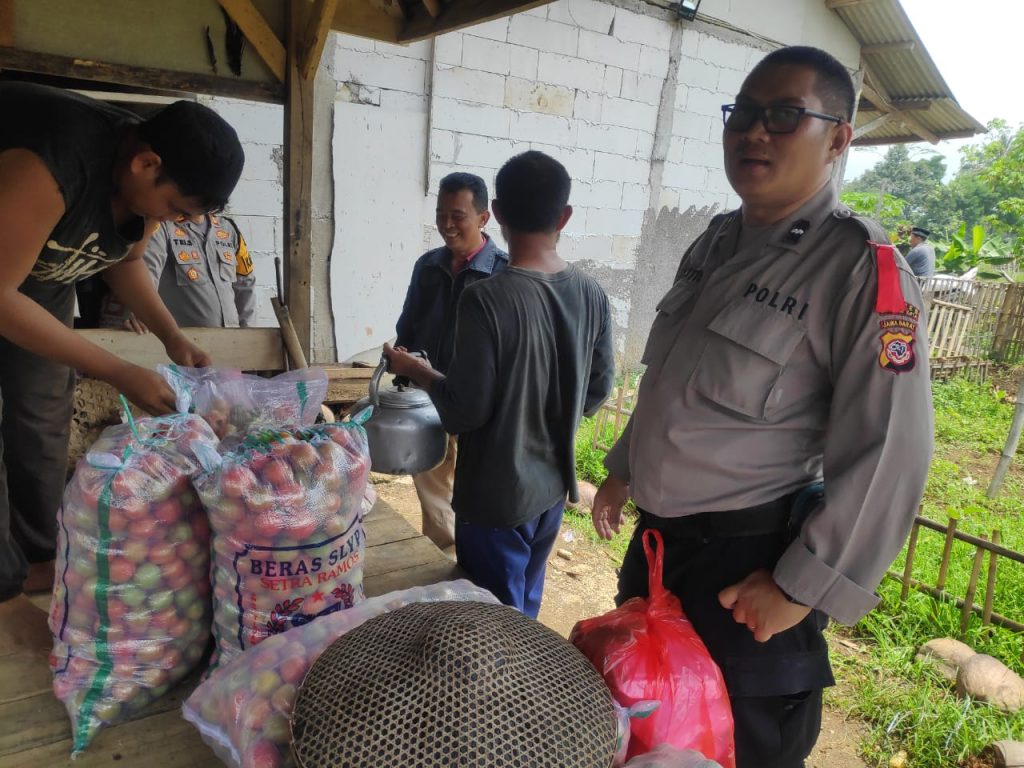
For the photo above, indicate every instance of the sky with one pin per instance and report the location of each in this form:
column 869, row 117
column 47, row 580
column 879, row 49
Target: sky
column 976, row 46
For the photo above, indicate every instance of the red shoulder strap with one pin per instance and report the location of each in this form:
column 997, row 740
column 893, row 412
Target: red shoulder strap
column 889, row 299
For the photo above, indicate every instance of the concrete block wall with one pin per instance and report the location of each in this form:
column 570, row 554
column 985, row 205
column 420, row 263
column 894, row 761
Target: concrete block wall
column 588, row 82
column 257, row 204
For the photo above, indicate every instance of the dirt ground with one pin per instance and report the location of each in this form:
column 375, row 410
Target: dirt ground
column 583, row 586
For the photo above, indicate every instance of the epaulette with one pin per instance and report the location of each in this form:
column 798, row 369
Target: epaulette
column 889, row 297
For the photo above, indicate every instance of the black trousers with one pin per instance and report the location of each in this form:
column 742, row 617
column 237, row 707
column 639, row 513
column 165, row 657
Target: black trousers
column 36, row 396
column 775, row 688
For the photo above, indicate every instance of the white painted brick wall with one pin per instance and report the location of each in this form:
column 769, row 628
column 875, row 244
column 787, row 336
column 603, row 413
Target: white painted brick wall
column 484, row 152
column 382, row 70
column 618, row 168
column 566, row 70
column 629, row 114
column 585, row 14
column 636, row 197
column 529, row 96
column 449, row 48
column 614, row 221
column 704, row 102
column 492, row 30
column 530, row 126
column 644, row 145
column 684, row 176
column 636, row 28
column 469, row 85
column 702, row 154
column 486, row 55
column 578, row 162
column 587, row 106
column 613, row 81
column 543, row 35
column 523, row 62
column 262, row 162
column 653, row 61
column 442, row 146
column 605, row 49
column 593, row 248
column 689, row 125
column 643, row 88
column 608, row 138
column 465, row 117
column 418, row 50
column 723, row 53
column 730, row 80
column 258, row 198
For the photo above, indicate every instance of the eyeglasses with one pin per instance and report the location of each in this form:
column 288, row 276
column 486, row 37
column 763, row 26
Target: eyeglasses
column 740, row 117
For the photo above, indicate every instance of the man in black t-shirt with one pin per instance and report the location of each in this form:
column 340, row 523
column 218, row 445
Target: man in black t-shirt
column 82, row 184
column 533, row 354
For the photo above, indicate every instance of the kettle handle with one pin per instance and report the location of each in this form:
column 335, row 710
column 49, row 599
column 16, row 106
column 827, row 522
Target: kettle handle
column 375, row 381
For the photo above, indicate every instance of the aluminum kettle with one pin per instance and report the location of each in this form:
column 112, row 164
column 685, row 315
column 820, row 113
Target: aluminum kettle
column 404, row 431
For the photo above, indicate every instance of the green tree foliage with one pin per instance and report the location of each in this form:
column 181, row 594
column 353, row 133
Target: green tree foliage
column 914, row 182
column 886, row 209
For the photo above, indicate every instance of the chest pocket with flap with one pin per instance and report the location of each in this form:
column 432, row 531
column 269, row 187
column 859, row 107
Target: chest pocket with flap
column 746, row 353
column 667, row 322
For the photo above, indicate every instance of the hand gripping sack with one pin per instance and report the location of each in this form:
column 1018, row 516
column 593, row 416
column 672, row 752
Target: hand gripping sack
column 286, row 509
column 243, row 709
column 647, row 650
column 131, row 606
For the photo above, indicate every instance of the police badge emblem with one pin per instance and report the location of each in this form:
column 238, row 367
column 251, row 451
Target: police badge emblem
column 897, row 352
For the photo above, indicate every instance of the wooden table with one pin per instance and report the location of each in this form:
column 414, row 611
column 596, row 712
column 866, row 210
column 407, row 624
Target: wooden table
column 34, row 727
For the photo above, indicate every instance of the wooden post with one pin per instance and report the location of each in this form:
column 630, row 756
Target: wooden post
column 298, row 181
column 7, row 23
column 1010, row 449
column 947, row 549
column 1007, row 323
column 990, row 587
column 908, row 567
column 972, row 589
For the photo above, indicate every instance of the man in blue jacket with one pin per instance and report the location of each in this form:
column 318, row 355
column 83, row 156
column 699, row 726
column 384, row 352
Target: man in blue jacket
column 427, row 322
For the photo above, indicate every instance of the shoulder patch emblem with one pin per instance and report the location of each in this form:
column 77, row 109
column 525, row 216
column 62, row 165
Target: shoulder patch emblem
column 897, row 351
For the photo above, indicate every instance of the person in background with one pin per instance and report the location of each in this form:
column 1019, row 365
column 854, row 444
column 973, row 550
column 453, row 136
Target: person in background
column 427, row 322
column 203, row 273
column 81, row 185
column 533, row 355
column 790, row 351
column 921, row 257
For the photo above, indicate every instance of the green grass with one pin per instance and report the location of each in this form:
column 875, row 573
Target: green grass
column 908, row 706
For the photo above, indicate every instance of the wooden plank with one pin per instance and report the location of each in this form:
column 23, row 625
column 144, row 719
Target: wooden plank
column 947, row 549
column 376, row 20
column 251, row 349
column 146, row 77
column 868, row 127
column 298, row 184
column 258, row 33
column 880, row 48
column 165, row 740
column 972, row 589
column 407, row 553
column 24, row 676
column 433, row 7
column 908, row 567
column 317, row 29
column 419, row 576
column 881, row 100
column 6, row 23
column 990, row 586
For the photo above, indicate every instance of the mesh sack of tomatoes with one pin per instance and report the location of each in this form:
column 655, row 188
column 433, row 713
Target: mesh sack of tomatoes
column 286, row 510
column 236, row 403
column 650, row 654
column 130, row 612
column 243, row 709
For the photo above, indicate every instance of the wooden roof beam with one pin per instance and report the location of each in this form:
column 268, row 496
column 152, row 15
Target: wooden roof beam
column 879, row 98
column 433, row 7
column 258, row 32
column 7, row 23
column 868, row 127
column 318, row 27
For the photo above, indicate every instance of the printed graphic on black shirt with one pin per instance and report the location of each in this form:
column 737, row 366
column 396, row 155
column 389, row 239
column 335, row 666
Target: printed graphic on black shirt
column 68, row 264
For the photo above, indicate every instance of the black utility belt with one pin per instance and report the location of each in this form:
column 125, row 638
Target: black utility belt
column 761, row 520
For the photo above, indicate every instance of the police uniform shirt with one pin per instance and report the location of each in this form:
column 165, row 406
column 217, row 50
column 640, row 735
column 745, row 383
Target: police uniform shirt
column 768, row 368
column 204, row 272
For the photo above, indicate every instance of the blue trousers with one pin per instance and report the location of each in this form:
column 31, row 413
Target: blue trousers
column 510, row 562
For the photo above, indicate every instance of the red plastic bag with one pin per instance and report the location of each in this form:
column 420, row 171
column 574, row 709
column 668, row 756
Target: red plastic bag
column 647, row 650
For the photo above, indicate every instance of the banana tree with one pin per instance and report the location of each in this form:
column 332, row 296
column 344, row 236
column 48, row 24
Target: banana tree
column 990, row 255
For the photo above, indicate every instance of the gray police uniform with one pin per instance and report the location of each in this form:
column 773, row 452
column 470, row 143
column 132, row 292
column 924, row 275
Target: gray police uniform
column 204, row 274
column 769, row 369
column 921, row 260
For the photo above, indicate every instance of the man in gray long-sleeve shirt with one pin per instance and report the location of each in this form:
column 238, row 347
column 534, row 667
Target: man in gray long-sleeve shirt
column 533, row 354
column 790, row 350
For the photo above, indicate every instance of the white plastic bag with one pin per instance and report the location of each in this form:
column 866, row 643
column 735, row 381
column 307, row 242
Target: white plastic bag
column 131, row 606
column 243, row 709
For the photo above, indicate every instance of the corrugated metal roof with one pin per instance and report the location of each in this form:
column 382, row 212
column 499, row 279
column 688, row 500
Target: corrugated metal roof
column 900, row 78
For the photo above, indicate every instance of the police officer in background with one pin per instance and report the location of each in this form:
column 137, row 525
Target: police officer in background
column 789, row 351
column 203, row 273
column 921, row 257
